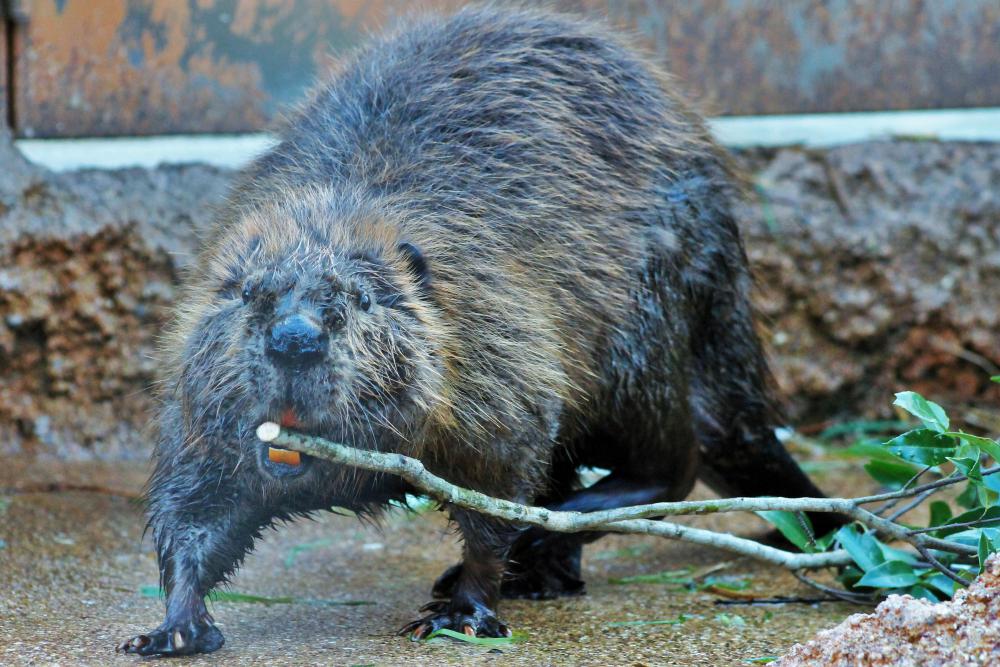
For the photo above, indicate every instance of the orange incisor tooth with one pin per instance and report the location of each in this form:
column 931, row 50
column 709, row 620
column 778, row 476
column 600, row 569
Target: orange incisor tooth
column 286, row 456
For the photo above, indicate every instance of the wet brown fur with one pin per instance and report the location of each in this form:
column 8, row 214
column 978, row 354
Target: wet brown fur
column 587, row 304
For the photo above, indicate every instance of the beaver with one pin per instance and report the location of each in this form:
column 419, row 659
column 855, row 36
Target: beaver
column 498, row 242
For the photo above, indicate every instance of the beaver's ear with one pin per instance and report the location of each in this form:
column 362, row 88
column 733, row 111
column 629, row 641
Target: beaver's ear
column 418, row 265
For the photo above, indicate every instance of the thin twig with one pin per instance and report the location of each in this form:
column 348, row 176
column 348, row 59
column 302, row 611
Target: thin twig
column 895, row 501
column 775, row 600
column 730, row 593
column 941, row 567
column 964, row 524
column 853, row 598
column 917, row 490
column 967, row 355
column 838, row 190
column 64, row 487
column 913, row 504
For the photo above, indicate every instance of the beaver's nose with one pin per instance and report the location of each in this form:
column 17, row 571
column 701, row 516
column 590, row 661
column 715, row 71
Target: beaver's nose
column 296, row 342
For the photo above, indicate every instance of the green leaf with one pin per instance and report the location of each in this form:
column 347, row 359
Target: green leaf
column 989, row 542
column 823, row 543
column 626, row 552
column 892, row 553
column 761, row 660
column 923, row 446
column 922, row 593
column 978, row 514
column 992, row 482
column 849, row 576
column 995, row 378
column 891, row 574
column 233, row 596
column 675, row 577
column 985, row 445
column 478, row 641
column 942, row 583
column 729, row 583
column 862, row 427
column 940, row 513
column 732, row 620
column 862, row 547
column 968, row 537
column 931, row 414
column 789, row 525
column 871, row 449
column 892, row 475
column 969, row 468
column 681, row 618
column 984, row 550
column 969, row 498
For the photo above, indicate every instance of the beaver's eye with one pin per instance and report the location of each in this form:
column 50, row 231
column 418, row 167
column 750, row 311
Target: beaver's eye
column 247, row 293
column 365, row 301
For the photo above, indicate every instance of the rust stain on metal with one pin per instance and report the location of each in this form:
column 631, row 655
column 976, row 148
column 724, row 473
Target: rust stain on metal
column 800, row 56
column 12, row 19
column 4, row 109
column 102, row 67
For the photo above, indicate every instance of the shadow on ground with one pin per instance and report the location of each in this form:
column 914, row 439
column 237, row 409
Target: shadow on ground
column 73, row 565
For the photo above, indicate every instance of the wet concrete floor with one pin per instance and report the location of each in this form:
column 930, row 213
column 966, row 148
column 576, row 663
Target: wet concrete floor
column 73, row 565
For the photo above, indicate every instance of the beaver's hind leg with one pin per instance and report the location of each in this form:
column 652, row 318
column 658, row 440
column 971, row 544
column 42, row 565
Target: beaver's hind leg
column 534, row 570
column 545, row 565
column 515, row 473
column 653, row 460
column 734, row 410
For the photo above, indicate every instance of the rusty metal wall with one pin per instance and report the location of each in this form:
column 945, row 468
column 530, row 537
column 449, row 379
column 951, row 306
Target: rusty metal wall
column 107, row 67
column 4, row 109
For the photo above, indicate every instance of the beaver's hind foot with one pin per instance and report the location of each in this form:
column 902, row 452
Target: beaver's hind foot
column 473, row 619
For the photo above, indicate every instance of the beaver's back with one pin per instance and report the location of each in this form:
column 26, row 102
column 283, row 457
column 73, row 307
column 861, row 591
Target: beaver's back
column 543, row 168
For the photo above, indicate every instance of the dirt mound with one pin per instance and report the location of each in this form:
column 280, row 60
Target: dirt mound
column 907, row 631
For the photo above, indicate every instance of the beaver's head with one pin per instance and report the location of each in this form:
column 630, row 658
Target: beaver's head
column 316, row 317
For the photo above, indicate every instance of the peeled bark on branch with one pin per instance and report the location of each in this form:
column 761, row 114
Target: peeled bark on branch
column 624, row 519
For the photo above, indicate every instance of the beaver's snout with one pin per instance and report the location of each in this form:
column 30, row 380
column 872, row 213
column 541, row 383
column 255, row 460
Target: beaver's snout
column 296, row 342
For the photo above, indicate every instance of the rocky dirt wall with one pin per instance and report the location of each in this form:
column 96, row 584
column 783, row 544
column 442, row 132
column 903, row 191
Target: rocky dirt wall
column 89, row 263
column 878, row 268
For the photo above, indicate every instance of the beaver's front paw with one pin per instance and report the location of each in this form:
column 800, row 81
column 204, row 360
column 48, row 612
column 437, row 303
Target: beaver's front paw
column 176, row 639
column 476, row 621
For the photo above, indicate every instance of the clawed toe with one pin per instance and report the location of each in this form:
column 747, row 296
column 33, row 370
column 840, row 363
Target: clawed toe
column 479, row 623
column 179, row 640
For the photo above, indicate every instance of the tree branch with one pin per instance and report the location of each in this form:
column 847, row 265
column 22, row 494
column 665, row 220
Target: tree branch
column 624, row 520
column 635, row 519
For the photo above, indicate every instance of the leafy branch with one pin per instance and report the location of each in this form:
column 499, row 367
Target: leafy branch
column 935, row 560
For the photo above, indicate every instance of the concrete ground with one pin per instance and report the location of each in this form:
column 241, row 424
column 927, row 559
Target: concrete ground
column 73, row 566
